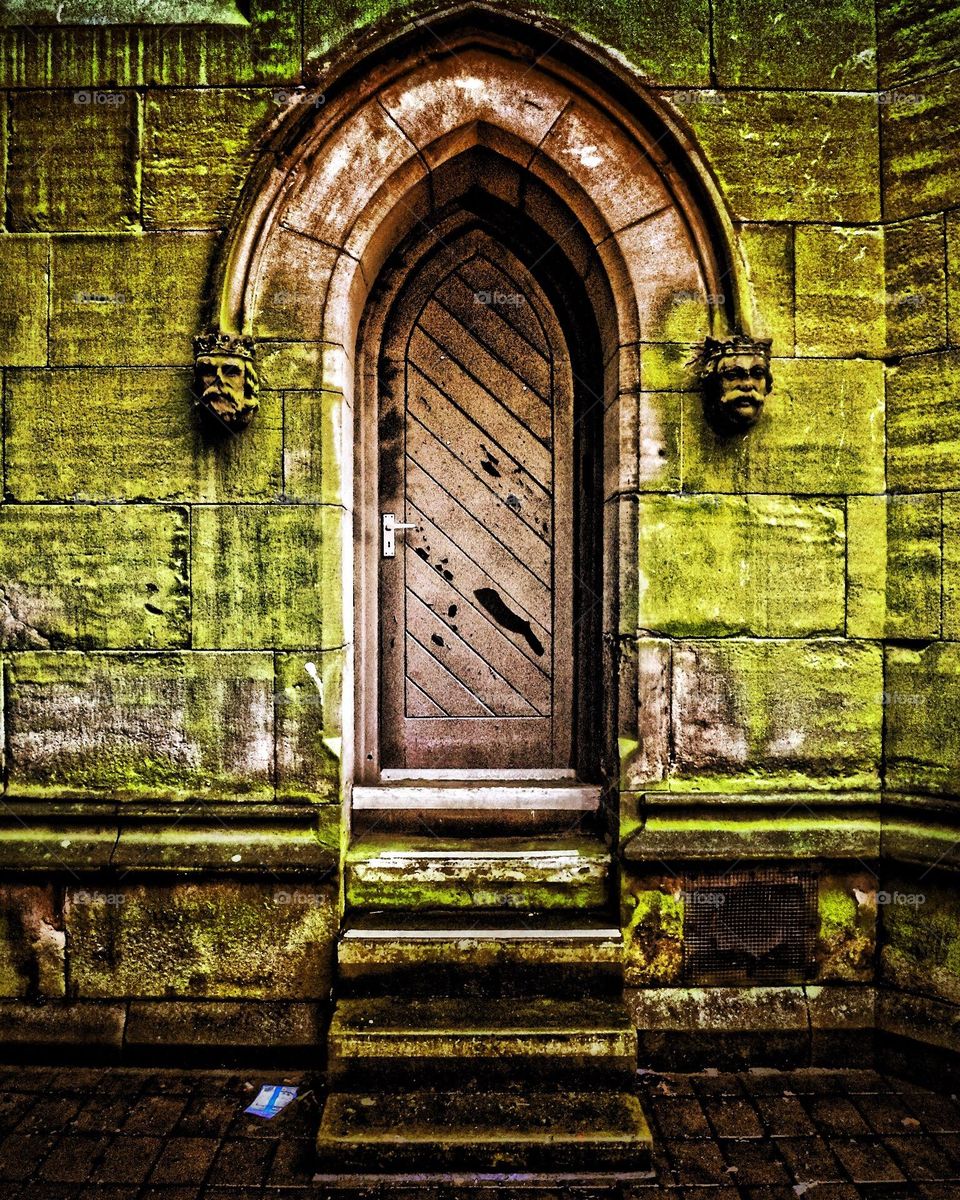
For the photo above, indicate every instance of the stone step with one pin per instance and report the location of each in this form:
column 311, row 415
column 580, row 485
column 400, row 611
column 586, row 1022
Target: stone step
column 430, row 873
column 476, row 952
column 384, row 1039
column 420, row 1131
column 531, row 805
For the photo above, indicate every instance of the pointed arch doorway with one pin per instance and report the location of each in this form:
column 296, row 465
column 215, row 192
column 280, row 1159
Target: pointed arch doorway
column 475, row 383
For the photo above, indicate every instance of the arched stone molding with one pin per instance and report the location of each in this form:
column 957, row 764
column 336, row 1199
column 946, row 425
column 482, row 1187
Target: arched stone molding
column 566, row 140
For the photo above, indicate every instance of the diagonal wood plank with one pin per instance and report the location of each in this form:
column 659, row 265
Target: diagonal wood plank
column 433, row 679
column 498, row 517
column 479, row 273
column 490, row 462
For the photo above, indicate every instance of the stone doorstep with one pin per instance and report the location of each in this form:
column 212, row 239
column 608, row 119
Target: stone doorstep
column 544, row 1036
column 483, row 1131
column 383, row 871
column 522, row 806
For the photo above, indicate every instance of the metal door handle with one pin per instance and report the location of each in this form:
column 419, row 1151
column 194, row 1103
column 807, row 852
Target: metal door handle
column 390, row 525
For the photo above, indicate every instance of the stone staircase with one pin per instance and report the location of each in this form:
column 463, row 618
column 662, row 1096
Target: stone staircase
column 479, row 1037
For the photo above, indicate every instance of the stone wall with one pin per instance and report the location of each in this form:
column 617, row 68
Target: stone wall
column 171, row 824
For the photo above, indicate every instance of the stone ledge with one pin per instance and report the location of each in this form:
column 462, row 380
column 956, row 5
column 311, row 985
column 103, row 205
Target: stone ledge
column 234, row 1024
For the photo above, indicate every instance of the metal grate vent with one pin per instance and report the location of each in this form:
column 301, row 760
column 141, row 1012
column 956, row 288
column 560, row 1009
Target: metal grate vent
column 757, row 926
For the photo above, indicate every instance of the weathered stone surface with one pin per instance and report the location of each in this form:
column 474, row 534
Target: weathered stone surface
column 309, row 725
column 243, row 1024
column 198, row 147
column 768, row 715
column 847, row 938
column 158, row 725
column 769, row 251
column 180, row 842
column 67, row 1024
column 806, row 46
column 317, row 447
column 839, row 290
column 821, row 431
column 678, row 837
column 72, row 160
column 31, row 943
column 110, row 577
column 915, row 38
column 267, row 577
column 718, row 1009
column 893, row 566
column 791, row 156
column 651, row 913
column 921, row 934
column 657, row 446
column 24, row 266
column 923, row 422
column 645, row 711
column 296, row 278
column 116, row 434
column 224, row 939
column 919, row 1019
column 920, row 840
column 668, row 367
column 764, row 565
column 670, row 45
column 916, row 285
column 922, row 740
column 953, row 276
column 921, row 148
column 951, row 566
column 128, row 300
column 264, row 49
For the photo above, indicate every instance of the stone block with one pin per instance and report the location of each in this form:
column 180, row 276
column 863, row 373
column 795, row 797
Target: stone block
column 309, row 725
column 199, row 144
column 921, row 147
column 24, row 271
column 31, row 943
column 791, row 156
column 847, row 935
column 919, row 1020
column 915, row 38
column 951, row 565
column 822, row 431
column 237, row 1024
column 645, row 719
column 652, row 920
column 764, row 565
column 667, row 367
column 916, row 285
column 807, row 45
column 179, row 841
column 922, row 741
column 921, row 938
column 118, row 434
column 657, row 446
column 63, row 1024
column 772, row 715
column 128, row 300
column 680, row 835
column 140, row 726
column 953, row 276
column 222, row 939
column 769, row 251
column 106, row 577
column 317, row 448
column 923, row 423
column 839, row 291
column 267, row 577
column 893, row 566
column 73, row 160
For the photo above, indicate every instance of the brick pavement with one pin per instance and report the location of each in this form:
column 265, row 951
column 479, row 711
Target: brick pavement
column 77, row 1133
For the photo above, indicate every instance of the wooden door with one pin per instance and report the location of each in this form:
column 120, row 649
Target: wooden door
column 475, row 407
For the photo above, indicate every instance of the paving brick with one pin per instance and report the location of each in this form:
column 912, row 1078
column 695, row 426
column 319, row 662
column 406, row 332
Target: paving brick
column 810, row 1160
column 72, row 1159
column 732, row 1118
column 865, row 1161
column 755, row 1163
column 184, row 1160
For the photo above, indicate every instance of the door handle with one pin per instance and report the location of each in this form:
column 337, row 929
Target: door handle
column 390, row 525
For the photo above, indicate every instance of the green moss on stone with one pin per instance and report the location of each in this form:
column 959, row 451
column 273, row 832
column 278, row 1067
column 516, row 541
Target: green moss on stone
column 111, row 576
column 847, row 935
column 755, row 557
column 769, row 251
column 653, row 934
column 923, row 422
column 921, row 141
column 840, row 291
column 922, row 742
column 24, row 265
column 916, row 285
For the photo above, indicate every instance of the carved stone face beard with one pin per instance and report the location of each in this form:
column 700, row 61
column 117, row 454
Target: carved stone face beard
column 220, row 384
column 741, row 387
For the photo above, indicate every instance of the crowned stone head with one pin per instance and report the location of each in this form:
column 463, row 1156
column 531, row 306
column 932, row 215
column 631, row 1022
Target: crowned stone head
column 225, row 380
column 736, row 377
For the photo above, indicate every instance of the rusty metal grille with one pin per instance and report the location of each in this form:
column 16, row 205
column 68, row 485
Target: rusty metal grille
column 757, row 926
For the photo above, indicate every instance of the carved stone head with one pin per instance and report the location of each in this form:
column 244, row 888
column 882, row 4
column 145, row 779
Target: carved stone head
column 736, row 380
column 225, row 380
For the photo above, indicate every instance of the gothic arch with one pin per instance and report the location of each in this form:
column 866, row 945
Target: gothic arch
column 482, row 105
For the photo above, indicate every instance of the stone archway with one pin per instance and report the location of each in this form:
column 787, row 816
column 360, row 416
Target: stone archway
column 563, row 141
